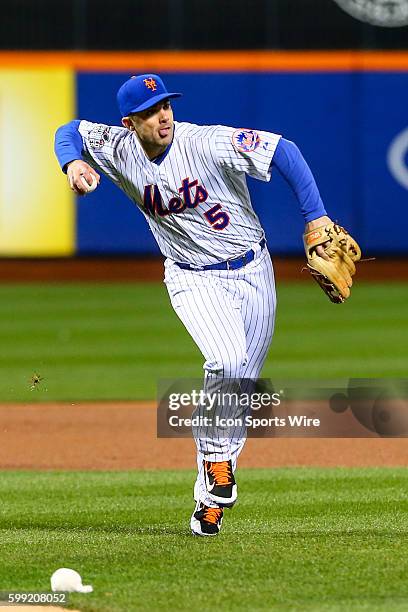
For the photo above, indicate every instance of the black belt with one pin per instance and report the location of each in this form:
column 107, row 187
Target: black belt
column 230, row 264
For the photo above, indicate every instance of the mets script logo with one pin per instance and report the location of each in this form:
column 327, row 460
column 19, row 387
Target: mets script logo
column 396, row 158
column 150, row 83
column 246, row 140
column 387, row 13
column 191, row 195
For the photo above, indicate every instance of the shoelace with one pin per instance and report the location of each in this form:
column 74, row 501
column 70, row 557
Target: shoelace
column 212, row 515
column 221, row 472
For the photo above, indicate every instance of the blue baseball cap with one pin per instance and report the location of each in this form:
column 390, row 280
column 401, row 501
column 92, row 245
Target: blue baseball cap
column 141, row 92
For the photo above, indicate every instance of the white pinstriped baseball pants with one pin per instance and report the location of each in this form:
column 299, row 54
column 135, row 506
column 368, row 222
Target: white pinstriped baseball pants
column 230, row 315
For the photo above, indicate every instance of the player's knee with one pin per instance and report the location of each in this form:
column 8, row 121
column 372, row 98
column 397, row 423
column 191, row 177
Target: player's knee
column 226, row 366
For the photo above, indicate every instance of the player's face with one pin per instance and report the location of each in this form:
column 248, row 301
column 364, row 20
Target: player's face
column 154, row 127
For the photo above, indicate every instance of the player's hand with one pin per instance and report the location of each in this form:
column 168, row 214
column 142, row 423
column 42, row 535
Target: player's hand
column 77, row 172
column 318, row 223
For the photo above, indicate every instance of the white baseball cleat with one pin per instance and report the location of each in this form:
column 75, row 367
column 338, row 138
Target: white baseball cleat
column 220, row 482
column 206, row 521
column 196, row 493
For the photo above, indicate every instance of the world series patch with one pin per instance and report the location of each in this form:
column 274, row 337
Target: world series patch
column 98, row 136
column 246, row 141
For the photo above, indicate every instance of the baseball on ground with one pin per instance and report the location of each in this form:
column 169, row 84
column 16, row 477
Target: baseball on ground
column 68, row 580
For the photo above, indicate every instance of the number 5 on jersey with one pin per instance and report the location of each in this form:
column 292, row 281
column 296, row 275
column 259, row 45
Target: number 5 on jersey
column 217, row 218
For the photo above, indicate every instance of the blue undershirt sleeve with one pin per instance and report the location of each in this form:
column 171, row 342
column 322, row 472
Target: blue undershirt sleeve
column 68, row 144
column 294, row 169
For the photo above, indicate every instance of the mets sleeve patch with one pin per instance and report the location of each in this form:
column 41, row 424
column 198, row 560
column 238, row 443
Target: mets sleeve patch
column 246, row 141
column 98, row 136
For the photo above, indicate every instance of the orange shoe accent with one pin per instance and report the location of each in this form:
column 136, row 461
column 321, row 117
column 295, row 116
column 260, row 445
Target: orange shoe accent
column 212, row 515
column 220, row 471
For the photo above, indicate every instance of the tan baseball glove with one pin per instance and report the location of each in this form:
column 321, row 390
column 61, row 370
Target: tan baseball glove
column 342, row 251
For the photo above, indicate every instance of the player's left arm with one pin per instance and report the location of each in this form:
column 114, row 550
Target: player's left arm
column 291, row 164
column 330, row 250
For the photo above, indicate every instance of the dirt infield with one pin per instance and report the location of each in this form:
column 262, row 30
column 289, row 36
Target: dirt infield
column 122, row 436
column 151, row 269
column 116, row 436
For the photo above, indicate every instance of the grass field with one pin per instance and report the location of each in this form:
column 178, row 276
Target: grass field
column 319, row 540
column 115, row 341
column 299, row 539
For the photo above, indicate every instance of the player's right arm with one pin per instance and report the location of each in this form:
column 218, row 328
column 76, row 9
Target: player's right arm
column 83, row 147
column 78, row 170
column 68, row 148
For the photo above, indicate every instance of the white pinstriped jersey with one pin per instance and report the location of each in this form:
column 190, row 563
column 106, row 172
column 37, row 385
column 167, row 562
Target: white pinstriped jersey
column 195, row 199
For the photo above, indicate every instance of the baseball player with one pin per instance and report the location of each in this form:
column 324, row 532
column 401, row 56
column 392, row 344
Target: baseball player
column 189, row 181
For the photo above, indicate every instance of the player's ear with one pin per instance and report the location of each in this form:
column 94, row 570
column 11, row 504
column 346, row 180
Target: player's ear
column 127, row 123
